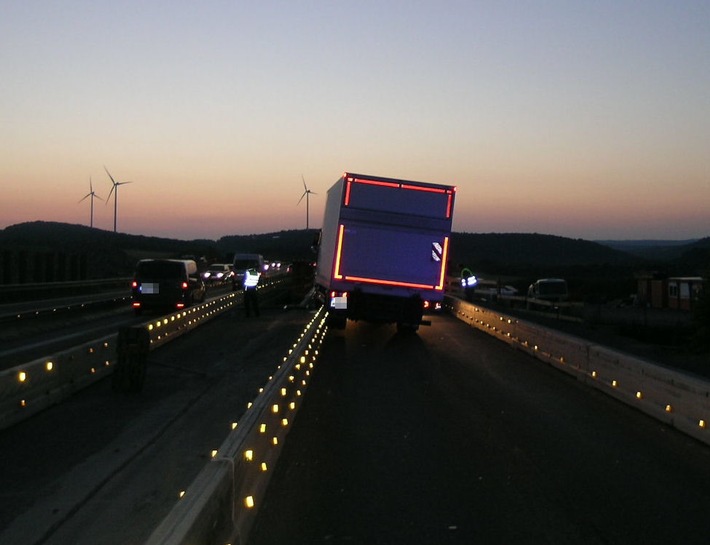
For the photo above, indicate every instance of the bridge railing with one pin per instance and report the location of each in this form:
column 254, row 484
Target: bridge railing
column 675, row 398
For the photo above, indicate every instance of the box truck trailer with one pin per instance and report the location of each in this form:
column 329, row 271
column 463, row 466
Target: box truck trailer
column 383, row 249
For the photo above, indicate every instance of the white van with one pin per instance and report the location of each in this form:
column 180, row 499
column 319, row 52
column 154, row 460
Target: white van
column 241, row 263
column 549, row 289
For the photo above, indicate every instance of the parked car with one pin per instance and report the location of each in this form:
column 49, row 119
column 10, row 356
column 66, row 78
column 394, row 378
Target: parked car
column 218, row 273
column 166, row 284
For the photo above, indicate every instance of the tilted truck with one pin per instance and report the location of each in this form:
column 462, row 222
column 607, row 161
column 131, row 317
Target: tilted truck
column 383, row 249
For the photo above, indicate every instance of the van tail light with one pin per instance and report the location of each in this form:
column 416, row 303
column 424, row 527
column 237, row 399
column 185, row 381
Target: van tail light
column 185, row 285
column 134, row 284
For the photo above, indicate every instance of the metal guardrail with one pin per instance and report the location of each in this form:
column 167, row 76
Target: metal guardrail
column 31, row 387
column 221, row 504
column 677, row 399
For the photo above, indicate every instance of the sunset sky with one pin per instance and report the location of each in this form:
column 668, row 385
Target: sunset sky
column 584, row 119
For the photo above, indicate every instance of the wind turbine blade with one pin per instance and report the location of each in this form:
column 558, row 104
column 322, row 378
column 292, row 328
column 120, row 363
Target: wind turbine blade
column 299, row 200
column 109, row 175
column 304, row 183
column 84, row 197
column 109, row 193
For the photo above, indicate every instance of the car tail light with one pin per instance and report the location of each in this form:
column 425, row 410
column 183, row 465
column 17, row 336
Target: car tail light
column 134, row 284
column 136, row 304
column 185, row 285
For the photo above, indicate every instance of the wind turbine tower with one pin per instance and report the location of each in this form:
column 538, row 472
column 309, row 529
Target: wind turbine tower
column 93, row 196
column 114, row 190
column 306, row 193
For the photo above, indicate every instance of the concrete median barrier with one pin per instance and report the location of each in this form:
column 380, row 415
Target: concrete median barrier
column 33, row 386
column 221, row 504
column 677, row 399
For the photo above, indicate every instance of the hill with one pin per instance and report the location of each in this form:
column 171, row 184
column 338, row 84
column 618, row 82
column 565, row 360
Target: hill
column 31, row 251
column 517, row 251
column 655, row 250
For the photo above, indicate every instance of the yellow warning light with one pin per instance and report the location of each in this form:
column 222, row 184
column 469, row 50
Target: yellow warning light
column 249, row 502
column 22, row 376
column 248, row 455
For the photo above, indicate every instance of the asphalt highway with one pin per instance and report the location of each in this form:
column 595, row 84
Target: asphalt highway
column 444, row 436
column 105, row 468
column 450, row 436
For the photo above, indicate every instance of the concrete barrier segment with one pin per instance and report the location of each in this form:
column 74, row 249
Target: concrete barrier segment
column 675, row 398
column 250, row 452
column 29, row 388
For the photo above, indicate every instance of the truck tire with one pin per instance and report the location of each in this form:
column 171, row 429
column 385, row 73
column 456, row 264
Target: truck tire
column 337, row 322
column 406, row 329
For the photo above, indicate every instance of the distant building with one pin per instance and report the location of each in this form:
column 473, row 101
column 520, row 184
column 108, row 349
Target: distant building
column 684, row 292
column 659, row 291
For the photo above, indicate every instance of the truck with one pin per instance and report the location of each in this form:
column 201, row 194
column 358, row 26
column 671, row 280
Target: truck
column 383, row 249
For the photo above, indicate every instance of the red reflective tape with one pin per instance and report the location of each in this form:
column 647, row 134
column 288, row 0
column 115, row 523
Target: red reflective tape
column 389, row 282
column 422, row 188
column 339, row 248
column 376, row 182
column 347, row 191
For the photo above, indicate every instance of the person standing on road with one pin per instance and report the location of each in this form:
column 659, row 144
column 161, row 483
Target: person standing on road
column 251, row 282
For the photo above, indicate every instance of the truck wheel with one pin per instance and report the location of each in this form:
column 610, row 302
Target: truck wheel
column 337, row 322
column 407, row 328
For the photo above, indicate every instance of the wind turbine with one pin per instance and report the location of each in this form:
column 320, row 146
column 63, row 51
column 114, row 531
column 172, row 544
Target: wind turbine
column 114, row 190
column 306, row 193
column 93, row 196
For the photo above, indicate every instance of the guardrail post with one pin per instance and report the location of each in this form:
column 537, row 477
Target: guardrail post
column 133, row 347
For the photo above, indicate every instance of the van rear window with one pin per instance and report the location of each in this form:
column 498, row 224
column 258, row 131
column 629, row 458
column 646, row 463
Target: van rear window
column 243, row 265
column 160, row 269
